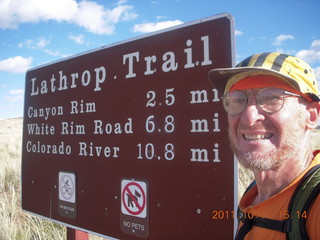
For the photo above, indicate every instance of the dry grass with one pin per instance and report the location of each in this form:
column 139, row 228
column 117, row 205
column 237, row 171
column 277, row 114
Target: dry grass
column 17, row 225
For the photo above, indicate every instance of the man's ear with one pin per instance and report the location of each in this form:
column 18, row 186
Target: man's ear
column 314, row 115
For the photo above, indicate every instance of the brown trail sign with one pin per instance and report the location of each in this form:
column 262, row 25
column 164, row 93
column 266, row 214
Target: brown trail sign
column 129, row 141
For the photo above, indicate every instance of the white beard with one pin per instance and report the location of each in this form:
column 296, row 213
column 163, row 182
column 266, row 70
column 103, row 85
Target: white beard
column 272, row 160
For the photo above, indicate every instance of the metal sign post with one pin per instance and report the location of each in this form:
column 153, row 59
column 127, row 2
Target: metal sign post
column 73, row 234
column 130, row 141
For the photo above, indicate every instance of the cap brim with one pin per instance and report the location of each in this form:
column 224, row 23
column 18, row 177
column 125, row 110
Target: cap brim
column 220, row 76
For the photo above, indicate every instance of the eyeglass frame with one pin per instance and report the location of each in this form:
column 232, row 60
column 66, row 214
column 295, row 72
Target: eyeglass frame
column 284, row 92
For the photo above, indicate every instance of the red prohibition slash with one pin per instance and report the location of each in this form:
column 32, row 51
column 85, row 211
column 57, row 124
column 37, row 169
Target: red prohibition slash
column 132, row 197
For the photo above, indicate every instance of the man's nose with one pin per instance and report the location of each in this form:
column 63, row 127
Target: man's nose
column 252, row 112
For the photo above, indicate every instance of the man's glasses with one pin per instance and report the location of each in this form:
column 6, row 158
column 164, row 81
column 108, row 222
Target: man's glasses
column 270, row 100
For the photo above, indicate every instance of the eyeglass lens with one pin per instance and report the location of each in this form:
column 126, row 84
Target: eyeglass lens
column 269, row 99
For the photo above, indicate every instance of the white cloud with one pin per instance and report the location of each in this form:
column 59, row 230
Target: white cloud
column 16, row 91
column 311, row 55
column 16, row 64
column 160, row 17
column 15, row 95
column 286, row 51
column 15, row 12
column 317, row 73
column 40, row 43
column 14, row 98
column 87, row 14
column 281, row 38
column 56, row 53
column 93, row 18
column 122, row 13
column 151, row 27
column 316, row 44
column 239, row 33
column 78, row 39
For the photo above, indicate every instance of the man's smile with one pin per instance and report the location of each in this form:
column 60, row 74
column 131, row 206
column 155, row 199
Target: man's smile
column 251, row 137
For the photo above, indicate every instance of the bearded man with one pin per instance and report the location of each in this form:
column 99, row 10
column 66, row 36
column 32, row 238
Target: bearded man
column 272, row 103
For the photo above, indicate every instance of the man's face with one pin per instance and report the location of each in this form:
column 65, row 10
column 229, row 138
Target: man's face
column 262, row 141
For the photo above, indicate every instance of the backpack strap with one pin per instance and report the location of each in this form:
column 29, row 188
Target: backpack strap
column 246, row 227
column 294, row 226
column 239, row 212
column 304, row 195
column 250, row 221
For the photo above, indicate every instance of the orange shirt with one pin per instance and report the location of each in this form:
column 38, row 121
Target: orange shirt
column 275, row 207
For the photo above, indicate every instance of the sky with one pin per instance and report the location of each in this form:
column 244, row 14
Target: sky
column 37, row 32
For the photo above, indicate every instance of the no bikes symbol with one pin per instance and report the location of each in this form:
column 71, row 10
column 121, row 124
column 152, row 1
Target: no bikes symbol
column 67, row 187
column 133, row 198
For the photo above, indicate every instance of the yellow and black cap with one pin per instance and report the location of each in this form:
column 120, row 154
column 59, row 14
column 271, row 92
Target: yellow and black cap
column 290, row 69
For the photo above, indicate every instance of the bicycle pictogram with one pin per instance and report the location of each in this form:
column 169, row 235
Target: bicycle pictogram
column 67, row 187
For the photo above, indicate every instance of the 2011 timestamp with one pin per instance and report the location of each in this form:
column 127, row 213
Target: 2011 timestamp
column 285, row 214
column 222, row 215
